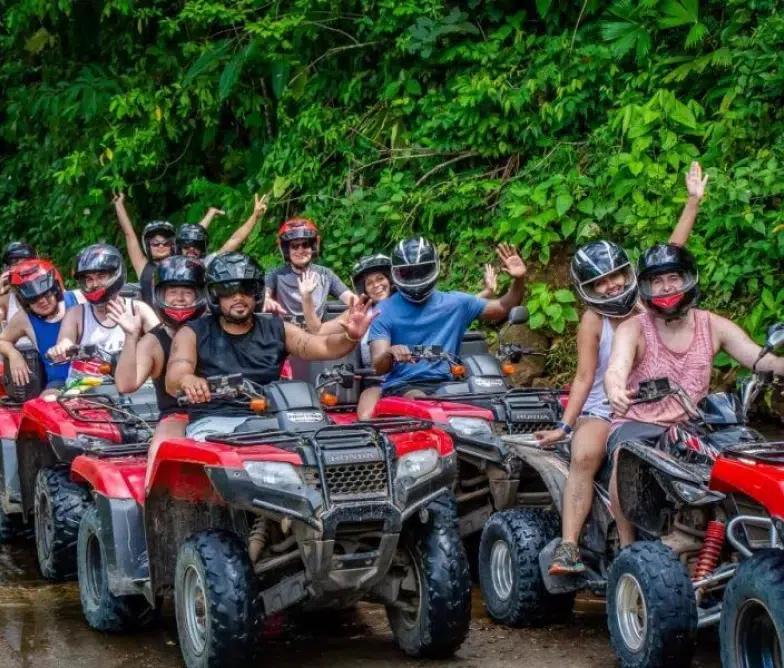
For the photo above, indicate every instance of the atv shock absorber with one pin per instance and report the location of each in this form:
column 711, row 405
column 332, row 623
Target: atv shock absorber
column 257, row 540
column 711, row 549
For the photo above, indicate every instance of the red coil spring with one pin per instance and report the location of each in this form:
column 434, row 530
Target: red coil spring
column 711, row 549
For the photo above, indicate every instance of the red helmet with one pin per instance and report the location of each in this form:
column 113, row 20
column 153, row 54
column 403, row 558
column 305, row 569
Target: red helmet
column 31, row 279
column 298, row 228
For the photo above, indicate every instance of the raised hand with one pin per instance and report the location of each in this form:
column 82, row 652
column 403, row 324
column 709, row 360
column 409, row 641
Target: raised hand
column 215, row 211
column 119, row 199
column 260, row 205
column 510, row 260
column 272, row 306
column 120, row 314
column 695, row 183
column 360, row 315
column 308, row 282
column 490, row 279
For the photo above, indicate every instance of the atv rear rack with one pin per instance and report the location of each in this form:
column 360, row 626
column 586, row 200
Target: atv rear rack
column 765, row 453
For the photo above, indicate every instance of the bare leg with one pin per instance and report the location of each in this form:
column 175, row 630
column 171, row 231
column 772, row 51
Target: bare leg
column 367, row 402
column 414, row 394
column 589, row 446
column 166, row 430
column 625, row 528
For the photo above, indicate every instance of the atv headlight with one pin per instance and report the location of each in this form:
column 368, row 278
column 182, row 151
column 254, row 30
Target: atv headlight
column 466, row 426
column 272, row 474
column 689, row 493
column 417, row 464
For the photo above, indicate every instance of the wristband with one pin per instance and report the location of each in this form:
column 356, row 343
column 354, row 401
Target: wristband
column 565, row 428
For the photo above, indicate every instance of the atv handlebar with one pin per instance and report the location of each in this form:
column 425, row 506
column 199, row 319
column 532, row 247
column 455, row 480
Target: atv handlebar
column 230, row 386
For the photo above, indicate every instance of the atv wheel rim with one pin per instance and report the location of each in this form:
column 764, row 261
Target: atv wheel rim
column 501, row 570
column 631, row 612
column 410, row 595
column 44, row 529
column 94, row 568
column 195, row 610
column 756, row 637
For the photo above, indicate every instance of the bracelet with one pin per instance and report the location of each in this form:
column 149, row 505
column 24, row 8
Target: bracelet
column 565, row 428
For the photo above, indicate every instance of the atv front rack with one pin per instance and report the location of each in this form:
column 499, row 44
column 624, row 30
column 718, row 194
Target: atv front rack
column 117, row 450
column 86, row 407
column 765, row 453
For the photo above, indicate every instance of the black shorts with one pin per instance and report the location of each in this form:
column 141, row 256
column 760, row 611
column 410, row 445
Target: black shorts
column 634, row 431
column 426, row 386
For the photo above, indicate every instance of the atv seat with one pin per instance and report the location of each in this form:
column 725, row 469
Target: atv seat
column 474, row 343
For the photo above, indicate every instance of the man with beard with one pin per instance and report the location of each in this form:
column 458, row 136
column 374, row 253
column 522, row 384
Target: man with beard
column 237, row 340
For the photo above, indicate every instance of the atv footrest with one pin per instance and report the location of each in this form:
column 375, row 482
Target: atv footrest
column 564, row 584
column 284, row 594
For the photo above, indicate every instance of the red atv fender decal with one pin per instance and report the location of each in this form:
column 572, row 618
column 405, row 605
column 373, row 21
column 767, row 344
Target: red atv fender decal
column 428, row 409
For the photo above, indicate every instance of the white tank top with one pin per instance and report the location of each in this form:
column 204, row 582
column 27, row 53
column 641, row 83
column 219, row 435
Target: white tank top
column 595, row 403
column 13, row 307
column 110, row 339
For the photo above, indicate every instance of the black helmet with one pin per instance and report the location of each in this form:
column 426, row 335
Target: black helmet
column 192, row 235
column 178, row 271
column 597, row 260
column 156, row 227
column 101, row 257
column 233, row 271
column 18, row 250
column 667, row 259
column 369, row 264
column 415, row 268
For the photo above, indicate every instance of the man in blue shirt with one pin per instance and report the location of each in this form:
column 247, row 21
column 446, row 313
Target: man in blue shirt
column 418, row 314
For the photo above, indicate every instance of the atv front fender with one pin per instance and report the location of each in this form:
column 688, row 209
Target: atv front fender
column 552, row 469
column 652, row 482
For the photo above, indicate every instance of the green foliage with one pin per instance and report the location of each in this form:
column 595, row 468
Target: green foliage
column 554, row 308
column 543, row 124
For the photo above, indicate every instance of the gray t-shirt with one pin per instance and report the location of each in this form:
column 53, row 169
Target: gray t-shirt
column 283, row 283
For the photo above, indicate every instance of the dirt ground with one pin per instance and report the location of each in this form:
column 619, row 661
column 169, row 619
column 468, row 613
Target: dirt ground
column 41, row 626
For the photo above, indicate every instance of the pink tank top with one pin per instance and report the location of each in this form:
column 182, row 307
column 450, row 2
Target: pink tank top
column 690, row 369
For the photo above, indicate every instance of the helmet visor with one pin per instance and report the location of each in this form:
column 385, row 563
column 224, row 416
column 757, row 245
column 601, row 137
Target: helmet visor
column 667, row 286
column 415, row 275
column 248, row 288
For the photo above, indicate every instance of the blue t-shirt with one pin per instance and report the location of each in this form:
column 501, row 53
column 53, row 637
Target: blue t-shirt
column 46, row 334
column 441, row 320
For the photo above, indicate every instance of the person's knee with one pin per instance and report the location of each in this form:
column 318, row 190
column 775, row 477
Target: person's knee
column 414, row 394
column 586, row 460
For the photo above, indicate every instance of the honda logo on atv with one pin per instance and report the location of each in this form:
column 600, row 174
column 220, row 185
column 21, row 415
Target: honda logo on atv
column 311, row 416
column 488, row 382
column 333, row 458
column 531, row 416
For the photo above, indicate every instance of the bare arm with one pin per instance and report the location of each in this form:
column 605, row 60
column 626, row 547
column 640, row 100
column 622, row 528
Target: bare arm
column 70, row 334
column 182, row 360
column 313, row 347
column 149, row 318
column 626, row 346
column 498, row 309
column 381, row 357
column 588, row 336
column 738, row 345
column 3, row 307
column 210, row 216
column 308, row 282
column 132, row 368
column 135, row 252
column 243, row 232
column 695, row 186
column 18, row 327
column 334, row 326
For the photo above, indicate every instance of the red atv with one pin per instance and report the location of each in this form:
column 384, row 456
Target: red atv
column 12, row 397
column 287, row 511
column 89, row 417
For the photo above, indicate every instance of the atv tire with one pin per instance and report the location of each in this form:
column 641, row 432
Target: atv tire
column 103, row 610
column 752, row 615
column 214, row 594
column 651, row 608
column 437, row 585
column 509, row 572
column 59, row 506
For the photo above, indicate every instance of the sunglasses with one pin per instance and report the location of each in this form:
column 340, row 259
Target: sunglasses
column 247, row 288
column 161, row 244
column 300, row 245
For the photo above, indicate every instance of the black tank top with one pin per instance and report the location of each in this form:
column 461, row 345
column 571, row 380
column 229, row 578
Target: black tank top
column 167, row 404
column 145, row 281
column 258, row 355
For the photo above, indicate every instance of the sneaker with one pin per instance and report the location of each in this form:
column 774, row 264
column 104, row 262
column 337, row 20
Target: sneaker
column 566, row 560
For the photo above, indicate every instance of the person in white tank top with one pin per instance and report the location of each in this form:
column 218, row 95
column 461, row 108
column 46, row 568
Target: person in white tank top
column 13, row 254
column 606, row 283
column 100, row 271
